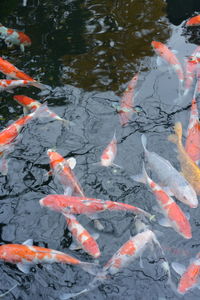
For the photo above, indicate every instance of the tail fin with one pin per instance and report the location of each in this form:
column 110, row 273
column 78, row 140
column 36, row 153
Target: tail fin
column 90, row 268
column 39, row 85
column 73, row 295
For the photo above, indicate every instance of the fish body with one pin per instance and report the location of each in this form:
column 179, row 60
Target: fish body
column 163, row 51
column 32, row 105
column 63, row 172
column 170, row 177
column 195, row 21
column 24, row 255
column 6, row 84
column 109, row 153
column 82, row 236
column 192, row 144
column 127, row 102
column 188, row 167
column 169, row 208
column 190, row 277
column 82, row 205
column 190, row 68
column 14, row 37
column 10, row 70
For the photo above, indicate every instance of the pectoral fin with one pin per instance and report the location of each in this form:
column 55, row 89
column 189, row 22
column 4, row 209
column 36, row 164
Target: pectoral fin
column 164, row 222
column 178, row 268
column 25, row 268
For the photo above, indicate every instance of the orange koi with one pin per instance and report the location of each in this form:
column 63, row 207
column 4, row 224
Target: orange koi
column 82, row 236
column 25, row 255
column 127, row 102
column 14, row 37
column 62, row 170
column 194, row 21
column 31, row 104
column 175, row 217
column 192, row 144
column 189, row 276
column 6, row 85
column 82, row 205
column 109, row 153
column 10, row 70
column 170, row 57
column 191, row 67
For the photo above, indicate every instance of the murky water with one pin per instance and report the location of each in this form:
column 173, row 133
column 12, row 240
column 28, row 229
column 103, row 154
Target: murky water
column 87, row 51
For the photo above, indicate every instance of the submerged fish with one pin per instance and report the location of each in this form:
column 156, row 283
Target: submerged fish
column 14, row 37
column 127, row 102
column 189, row 276
column 30, row 104
column 82, row 236
column 62, row 170
column 10, row 70
column 190, row 68
column 82, row 205
column 194, row 21
column 188, row 167
column 192, row 144
column 6, row 85
column 133, row 248
column 25, row 255
column 170, row 177
column 175, row 217
column 163, row 51
column 109, row 153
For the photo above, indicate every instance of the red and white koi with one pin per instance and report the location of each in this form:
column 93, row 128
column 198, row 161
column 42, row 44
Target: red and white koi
column 109, row 153
column 25, row 255
column 192, row 145
column 133, row 248
column 194, row 21
column 175, row 217
column 127, row 102
column 6, row 85
column 31, row 104
column 62, row 170
column 82, row 205
column 14, row 37
column 82, row 236
column 10, row 70
column 163, row 51
column 189, row 276
column 190, row 68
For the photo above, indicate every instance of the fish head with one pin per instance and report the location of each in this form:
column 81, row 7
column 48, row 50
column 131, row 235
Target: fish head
column 189, row 196
column 190, row 278
column 55, row 158
column 53, row 202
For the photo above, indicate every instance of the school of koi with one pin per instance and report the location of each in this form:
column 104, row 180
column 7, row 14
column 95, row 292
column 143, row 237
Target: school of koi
column 185, row 186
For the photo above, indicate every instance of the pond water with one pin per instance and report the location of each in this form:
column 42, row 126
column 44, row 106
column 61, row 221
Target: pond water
column 87, row 51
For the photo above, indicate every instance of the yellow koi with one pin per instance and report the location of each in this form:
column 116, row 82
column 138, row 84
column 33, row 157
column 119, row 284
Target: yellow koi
column 188, row 167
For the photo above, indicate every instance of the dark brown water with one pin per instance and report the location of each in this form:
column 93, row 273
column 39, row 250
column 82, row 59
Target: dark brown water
column 87, row 51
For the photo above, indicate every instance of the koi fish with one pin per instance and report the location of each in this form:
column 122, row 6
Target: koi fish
column 194, row 21
column 133, row 248
column 62, row 169
column 189, row 277
column 163, row 51
column 31, row 104
column 109, row 153
column 25, row 255
column 170, row 177
column 9, row 135
column 174, row 215
column 191, row 66
column 6, row 85
column 188, row 167
column 82, row 236
column 82, row 205
column 127, row 102
column 14, row 37
column 10, row 70
column 192, row 144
